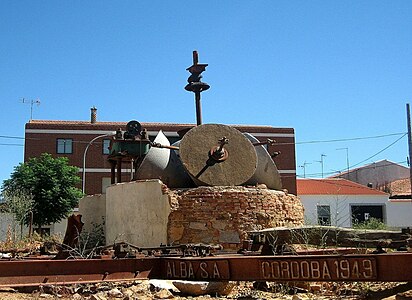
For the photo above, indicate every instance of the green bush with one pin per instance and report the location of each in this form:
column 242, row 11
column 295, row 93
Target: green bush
column 371, row 223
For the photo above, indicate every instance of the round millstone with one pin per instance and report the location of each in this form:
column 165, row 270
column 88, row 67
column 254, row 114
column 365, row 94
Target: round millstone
column 195, row 147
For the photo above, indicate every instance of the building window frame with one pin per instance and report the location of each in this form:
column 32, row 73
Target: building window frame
column 64, row 146
column 106, row 146
column 324, row 216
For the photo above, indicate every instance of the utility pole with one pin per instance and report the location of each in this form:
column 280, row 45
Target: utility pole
column 408, row 117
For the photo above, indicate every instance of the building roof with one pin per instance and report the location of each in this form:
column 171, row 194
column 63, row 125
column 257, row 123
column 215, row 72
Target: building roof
column 378, row 164
column 87, row 125
column 333, row 186
column 400, row 187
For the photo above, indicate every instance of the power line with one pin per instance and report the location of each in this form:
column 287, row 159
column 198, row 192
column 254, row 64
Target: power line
column 11, row 137
column 372, row 156
column 37, row 139
column 379, row 152
column 1, row 144
column 337, row 173
column 352, row 139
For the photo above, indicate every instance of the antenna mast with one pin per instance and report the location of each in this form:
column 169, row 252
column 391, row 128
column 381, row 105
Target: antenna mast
column 31, row 102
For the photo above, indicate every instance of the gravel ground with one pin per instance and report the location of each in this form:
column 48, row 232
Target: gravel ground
column 241, row 290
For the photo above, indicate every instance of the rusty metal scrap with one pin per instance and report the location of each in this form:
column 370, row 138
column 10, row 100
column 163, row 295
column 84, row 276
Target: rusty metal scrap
column 352, row 267
column 125, row 249
column 37, row 272
column 367, row 267
column 71, row 237
column 329, row 236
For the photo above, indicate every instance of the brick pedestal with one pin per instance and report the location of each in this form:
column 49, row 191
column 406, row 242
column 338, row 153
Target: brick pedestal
column 224, row 215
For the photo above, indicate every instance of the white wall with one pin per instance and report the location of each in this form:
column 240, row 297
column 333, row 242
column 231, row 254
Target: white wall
column 399, row 213
column 59, row 228
column 7, row 220
column 340, row 206
column 93, row 211
column 137, row 212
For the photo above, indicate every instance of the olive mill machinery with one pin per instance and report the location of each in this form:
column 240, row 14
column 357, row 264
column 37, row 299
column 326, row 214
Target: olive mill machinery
column 207, row 154
column 211, row 155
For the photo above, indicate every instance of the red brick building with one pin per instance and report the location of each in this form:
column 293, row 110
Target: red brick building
column 70, row 139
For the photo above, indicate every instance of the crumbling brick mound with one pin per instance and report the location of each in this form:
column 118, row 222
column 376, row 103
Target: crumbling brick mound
column 224, row 215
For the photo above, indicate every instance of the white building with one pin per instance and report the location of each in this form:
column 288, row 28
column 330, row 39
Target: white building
column 340, row 202
column 399, row 212
column 343, row 203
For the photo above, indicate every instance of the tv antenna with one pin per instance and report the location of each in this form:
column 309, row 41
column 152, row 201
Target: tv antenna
column 303, row 166
column 321, row 161
column 31, row 102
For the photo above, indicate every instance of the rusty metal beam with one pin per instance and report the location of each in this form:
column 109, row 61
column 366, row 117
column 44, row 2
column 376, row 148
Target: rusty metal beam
column 351, row 267
column 37, row 272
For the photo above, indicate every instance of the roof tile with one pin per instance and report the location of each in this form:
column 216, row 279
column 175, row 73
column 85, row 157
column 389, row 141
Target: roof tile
column 333, row 186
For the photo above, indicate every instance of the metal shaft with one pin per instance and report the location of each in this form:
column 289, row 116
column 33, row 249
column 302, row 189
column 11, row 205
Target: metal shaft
column 408, row 116
column 198, row 109
column 196, row 85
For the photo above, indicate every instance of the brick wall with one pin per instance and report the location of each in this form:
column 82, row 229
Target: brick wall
column 224, row 215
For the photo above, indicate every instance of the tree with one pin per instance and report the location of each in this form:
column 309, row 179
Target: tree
column 20, row 205
column 51, row 182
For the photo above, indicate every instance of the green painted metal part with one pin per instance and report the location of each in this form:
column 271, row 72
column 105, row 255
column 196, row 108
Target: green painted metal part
column 135, row 148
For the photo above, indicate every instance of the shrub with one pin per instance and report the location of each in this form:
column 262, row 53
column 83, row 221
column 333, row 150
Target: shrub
column 371, row 223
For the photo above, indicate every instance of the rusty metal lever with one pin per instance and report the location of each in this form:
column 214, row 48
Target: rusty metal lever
column 267, row 142
column 158, row 145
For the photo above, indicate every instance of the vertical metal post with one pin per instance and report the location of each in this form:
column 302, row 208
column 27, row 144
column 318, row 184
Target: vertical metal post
column 195, row 57
column 119, row 170
column 84, row 159
column 304, row 168
column 347, row 161
column 408, row 116
column 196, row 85
column 198, row 109
column 112, row 172
column 321, row 162
column 197, row 93
column 31, row 106
column 132, row 169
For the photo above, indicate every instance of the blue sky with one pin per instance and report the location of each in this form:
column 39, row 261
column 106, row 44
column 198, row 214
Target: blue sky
column 333, row 70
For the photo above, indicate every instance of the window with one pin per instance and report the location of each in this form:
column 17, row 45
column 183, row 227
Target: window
column 106, row 146
column 362, row 213
column 324, row 215
column 64, row 146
